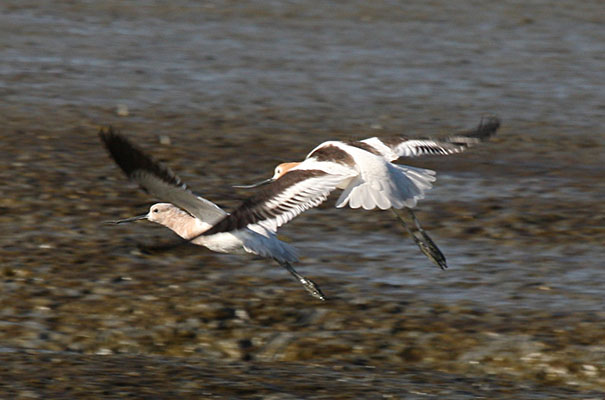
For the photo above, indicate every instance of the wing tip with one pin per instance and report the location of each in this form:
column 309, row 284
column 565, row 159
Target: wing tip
column 488, row 126
column 131, row 158
column 106, row 130
column 110, row 136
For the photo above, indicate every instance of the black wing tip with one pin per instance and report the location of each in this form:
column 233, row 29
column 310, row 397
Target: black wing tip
column 131, row 159
column 123, row 152
column 487, row 127
column 111, row 137
column 113, row 140
column 106, row 131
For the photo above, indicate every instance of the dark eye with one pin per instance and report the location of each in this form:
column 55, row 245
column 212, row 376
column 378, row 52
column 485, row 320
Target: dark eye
column 156, row 210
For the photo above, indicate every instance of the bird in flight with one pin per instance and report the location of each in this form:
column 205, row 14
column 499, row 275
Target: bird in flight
column 363, row 169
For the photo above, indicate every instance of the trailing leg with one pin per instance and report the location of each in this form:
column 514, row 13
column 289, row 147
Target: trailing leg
column 423, row 240
column 307, row 283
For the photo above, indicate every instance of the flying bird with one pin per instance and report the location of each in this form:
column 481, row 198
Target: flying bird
column 363, row 169
column 188, row 215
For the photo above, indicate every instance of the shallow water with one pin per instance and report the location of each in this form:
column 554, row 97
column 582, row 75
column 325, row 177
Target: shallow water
column 237, row 88
column 368, row 64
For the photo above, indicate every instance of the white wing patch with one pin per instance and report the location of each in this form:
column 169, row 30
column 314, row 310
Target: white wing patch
column 296, row 199
column 394, row 147
column 279, row 202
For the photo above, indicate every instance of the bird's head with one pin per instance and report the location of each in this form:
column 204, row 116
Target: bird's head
column 280, row 170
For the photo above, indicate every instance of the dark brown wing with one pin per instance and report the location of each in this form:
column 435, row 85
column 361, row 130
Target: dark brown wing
column 280, row 201
column 157, row 179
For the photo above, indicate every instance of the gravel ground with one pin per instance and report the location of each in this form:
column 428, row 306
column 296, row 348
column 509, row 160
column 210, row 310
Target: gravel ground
column 97, row 311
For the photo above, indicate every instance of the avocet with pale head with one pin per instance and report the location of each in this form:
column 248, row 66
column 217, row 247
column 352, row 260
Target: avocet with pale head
column 364, row 170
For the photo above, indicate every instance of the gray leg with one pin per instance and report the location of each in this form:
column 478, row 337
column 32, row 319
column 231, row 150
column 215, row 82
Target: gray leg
column 423, row 240
column 429, row 248
column 308, row 284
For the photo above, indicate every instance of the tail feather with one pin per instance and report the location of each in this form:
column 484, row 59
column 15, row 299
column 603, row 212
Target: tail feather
column 402, row 187
column 381, row 199
column 361, row 196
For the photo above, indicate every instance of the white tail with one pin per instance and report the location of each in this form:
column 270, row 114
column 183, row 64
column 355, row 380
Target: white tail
column 402, row 187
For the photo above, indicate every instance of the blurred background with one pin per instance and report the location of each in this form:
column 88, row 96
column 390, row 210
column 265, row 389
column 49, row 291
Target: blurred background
column 222, row 91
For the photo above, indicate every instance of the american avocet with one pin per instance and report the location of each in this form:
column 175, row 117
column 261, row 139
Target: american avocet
column 188, row 215
column 363, row 169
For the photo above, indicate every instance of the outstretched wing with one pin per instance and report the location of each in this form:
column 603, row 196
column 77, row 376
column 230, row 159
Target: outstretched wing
column 157, row 179
column 394, row 147
column 279, row 202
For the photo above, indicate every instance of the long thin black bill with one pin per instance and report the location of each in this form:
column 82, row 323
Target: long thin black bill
column 261, row 183
column 123, row 221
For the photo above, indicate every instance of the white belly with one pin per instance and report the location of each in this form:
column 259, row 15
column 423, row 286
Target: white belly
column 248, row 241
column 225, row 242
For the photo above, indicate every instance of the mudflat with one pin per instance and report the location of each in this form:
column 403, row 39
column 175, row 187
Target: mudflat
column 224, row 93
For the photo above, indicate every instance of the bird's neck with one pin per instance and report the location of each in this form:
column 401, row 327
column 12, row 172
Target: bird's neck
column 186, row 226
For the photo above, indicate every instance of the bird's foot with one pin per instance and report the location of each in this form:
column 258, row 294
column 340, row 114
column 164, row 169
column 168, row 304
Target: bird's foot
column 307, row 283
column 429, row 248
column 423, row 240
column 312, row 288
